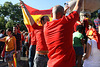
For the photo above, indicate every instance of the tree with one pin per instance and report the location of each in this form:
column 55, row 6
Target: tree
column 2, row 22
column 9, row 24
column 11, row 13
column 94, row 15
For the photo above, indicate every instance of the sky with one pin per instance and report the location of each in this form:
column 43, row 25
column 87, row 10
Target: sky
column 38, row 4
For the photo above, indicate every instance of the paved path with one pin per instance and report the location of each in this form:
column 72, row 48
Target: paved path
column 22, row 63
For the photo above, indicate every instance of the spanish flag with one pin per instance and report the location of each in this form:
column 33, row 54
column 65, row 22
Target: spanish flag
column 15, row 61
column 36, row 15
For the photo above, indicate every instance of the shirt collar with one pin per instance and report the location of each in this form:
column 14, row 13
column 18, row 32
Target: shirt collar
column 55, row 19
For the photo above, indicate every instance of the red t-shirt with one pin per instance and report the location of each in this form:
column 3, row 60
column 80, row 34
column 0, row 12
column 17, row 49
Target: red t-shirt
column 58, row 36
column 32, row 37
column 39, row 35
column 22, row 37
column 76, row 24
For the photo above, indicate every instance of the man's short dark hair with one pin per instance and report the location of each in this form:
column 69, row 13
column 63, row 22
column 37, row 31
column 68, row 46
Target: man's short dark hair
column 42, row 18
column 79, row 28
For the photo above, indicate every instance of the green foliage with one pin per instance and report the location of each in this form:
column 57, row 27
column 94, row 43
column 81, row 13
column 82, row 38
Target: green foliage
column 11, row 14
column 94, row 15
column 2, row 22
column 9, row 24
column 2, row 19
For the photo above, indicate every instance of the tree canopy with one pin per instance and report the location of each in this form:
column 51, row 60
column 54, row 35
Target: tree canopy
column 10, row 15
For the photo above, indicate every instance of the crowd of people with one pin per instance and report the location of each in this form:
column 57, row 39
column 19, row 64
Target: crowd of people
column 63, row 42
column 11, row 42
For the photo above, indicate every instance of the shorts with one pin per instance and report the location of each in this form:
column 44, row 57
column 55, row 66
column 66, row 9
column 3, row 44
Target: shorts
column 78, row 50
column 9, row 55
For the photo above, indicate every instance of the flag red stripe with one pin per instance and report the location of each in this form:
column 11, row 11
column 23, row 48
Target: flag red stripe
column 34, row 11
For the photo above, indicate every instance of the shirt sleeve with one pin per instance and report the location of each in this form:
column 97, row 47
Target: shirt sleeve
column 81, row 36
column 72, row 17
column 34, row 26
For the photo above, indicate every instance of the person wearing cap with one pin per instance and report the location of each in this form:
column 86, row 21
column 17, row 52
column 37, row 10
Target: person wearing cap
column 97, row 21
column 92, row 56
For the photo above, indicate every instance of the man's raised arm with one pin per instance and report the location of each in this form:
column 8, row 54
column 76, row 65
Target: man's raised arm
column 66, row 8
column 27, row 12
column 78, row 6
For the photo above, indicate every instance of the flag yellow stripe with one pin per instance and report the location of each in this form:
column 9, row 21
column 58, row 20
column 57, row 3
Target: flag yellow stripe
column 35, row 17
column 26, row 19
column 14, row 57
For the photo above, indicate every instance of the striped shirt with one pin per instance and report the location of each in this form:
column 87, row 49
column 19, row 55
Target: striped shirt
column 97, row 23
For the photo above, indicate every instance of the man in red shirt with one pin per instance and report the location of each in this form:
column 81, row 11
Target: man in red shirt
column 41, row 58
column 58, row 36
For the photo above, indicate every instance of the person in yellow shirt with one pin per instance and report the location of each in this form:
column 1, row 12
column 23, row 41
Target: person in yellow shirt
column 10, row 49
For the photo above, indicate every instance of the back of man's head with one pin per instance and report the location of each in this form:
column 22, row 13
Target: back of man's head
column 58, row 11
column 79, row 28
column 44, row 19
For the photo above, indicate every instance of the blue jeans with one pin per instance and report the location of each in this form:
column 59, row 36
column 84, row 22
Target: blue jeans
column 32, row 49
column 23, row 49
column 40, row 60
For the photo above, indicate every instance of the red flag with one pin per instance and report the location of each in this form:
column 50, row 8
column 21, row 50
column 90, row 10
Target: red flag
column 15, row 61
column 36, row 15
